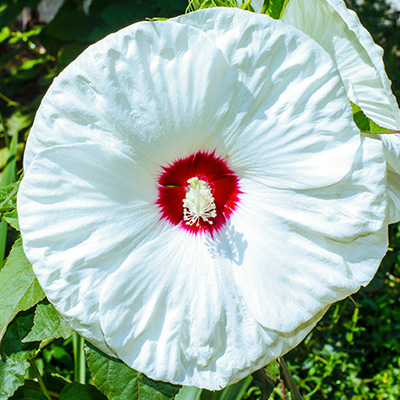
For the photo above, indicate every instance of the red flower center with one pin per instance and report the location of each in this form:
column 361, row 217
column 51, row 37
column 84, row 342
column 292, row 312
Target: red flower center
column 198, row 192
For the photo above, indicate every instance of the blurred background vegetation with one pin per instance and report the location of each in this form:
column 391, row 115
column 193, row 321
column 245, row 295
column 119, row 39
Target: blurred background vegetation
column 354, row 353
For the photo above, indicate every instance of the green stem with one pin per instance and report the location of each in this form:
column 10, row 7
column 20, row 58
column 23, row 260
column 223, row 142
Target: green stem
column 264, row 8
column 79, row 359
column 10, row 102
column 40, row 380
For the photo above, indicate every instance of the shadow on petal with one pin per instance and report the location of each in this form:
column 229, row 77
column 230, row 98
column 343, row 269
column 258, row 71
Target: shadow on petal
column 228, row 243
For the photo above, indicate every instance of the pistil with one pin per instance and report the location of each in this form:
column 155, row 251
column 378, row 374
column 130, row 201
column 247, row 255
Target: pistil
column 198, row 203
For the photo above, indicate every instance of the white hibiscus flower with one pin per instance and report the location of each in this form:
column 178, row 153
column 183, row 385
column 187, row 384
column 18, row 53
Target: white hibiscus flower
column 196, row 194
column 359, row 61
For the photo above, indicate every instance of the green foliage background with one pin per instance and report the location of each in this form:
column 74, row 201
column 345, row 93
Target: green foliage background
column 354, row 353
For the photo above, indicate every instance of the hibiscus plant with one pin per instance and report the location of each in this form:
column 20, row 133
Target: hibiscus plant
column 197, row 192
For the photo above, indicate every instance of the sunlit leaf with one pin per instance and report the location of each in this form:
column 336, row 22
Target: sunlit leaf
column 233, row 392
column 8, row 197
column 12, row 372
column 274, row 8
column 12, row 219
column 8, row 176
column 19, row 288
column 15, row 354
column 48, row 324
column 236, row 391
column 365, row 124
column 24, row 36
column 4, row 152
column 5, row 33
column 9, row 172
column 202, row 4
column 189, row 393
column 116, row 380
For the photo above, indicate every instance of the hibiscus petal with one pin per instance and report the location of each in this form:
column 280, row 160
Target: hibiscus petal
column 82, row 210
column 359, row 60
column 181, row 317
column 300, row 112
column 309, row 249
column 391, row 147
column 154, row 87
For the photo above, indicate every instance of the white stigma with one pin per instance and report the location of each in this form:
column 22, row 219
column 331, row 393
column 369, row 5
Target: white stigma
column 198, row 203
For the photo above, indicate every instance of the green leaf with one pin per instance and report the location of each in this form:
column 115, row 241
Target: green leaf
column 28, row 394
column 8, row 197
column 24, row 36
column 69, row 52
column 236, row 391
column 189, row 393
column 133, row 12
column 19, row 288
column 233, row 392
column 116, row 380
column 274, row 8
column 12, row 373
column 12, row 219
column 15, row 354
column 201, row 4
column 71, row 23
column 16, row 331
column 48, row 324
column 26, row 65
column 3, row 157
column 8, row 205
column 77, row 391
column 272, row 370
column 5, row 33
column 171, row 8
column 289, row 381
column 167, row 389
column 8, row 177
column 365, row 124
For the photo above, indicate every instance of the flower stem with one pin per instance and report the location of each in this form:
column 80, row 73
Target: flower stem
column 288, row 380
column 79, row 359
column 283, row 389
column 40, row 380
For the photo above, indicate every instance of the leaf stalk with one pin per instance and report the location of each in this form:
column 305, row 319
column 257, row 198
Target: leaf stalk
column 40, row 379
